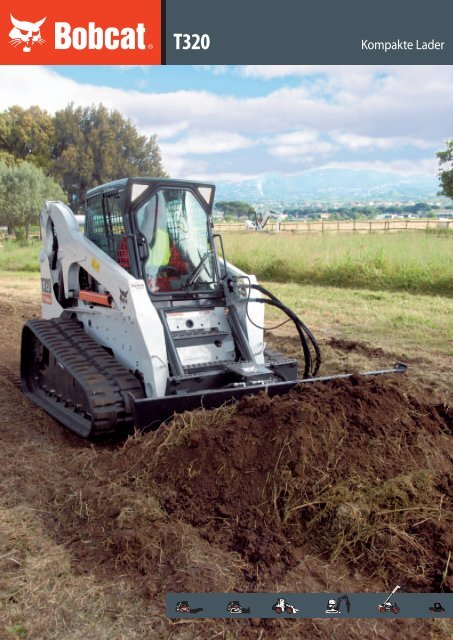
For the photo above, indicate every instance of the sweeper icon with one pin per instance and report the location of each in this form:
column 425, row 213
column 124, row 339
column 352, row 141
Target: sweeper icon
column 390, row 606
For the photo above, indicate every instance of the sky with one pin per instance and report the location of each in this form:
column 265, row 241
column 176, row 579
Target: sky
column 237, row 122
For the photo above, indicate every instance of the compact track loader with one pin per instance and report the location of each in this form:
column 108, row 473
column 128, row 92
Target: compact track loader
column 142, row 316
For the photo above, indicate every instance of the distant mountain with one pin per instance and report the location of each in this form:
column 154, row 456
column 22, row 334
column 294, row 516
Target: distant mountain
column 331, row 185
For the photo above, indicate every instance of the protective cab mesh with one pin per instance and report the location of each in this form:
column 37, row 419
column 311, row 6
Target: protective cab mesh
column 104, row 226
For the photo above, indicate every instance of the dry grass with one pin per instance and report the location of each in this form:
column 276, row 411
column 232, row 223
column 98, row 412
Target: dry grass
column 177, row 432
column 368, row 515
column 358, row 519
column 43, row 597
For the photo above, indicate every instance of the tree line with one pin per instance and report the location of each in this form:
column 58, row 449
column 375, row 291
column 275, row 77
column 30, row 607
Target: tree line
column 358, row 212
column 446, row 169
column 235, row 209
column 61, row 156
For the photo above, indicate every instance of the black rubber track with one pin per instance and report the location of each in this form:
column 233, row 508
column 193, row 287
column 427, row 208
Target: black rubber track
column 75, row 380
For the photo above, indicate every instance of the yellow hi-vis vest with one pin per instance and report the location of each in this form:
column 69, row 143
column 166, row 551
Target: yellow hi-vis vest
column 160, row 251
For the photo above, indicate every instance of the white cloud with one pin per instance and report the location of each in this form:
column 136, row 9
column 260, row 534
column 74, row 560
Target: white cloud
column 404, row 103
column 178, row 156
column 206, row 143
column 127, row 67
column 402, row 166
column 295, row 153
column 358, row 142
column 215, row 69
column 296, row 137
column 209, row 176
column 273, row 71
column 166, row 131
column 187, row 168
column 298, row 146
column 329, row 111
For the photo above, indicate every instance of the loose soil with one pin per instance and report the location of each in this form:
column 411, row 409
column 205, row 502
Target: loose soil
column 343, row 486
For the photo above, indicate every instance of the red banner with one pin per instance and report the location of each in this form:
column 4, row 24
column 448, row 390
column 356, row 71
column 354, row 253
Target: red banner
column 83, row 32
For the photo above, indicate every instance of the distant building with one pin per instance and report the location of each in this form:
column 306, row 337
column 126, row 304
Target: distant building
column 445, row 213
column 388, row 216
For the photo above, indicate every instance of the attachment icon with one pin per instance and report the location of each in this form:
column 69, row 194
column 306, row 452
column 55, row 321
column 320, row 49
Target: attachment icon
column 333, row 606
column 281, row 606
column 390, row 606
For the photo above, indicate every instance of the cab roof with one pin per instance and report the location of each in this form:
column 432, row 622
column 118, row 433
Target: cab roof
column 122, row 183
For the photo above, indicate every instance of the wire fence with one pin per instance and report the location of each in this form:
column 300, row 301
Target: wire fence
column 347, row 226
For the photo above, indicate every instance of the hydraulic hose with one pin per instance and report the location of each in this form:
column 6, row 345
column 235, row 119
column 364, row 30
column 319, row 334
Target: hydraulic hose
column 306, row 336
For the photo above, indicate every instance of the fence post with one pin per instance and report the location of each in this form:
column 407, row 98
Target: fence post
column 353, row 225
column 322, row 226
column 370, row 226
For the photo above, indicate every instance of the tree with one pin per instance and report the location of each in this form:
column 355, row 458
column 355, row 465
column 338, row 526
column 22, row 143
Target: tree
column 235, row 208
column 23, row 191
column 94, row 145
column 27, row 134
column 446, row 169
column 79, row 147
column 7, row 158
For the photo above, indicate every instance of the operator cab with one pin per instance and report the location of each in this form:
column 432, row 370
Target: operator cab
column 159, row 230
column 176, row 229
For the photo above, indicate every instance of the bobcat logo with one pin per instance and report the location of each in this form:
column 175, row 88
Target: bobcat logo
column 123, row 296
column 25, row 33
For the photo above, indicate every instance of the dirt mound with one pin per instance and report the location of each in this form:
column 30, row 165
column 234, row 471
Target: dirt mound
column 236, row 498
column 283, row 473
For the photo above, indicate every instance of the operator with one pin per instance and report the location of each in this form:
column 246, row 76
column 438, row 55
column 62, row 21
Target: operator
column 159, row 257
column 164, row 262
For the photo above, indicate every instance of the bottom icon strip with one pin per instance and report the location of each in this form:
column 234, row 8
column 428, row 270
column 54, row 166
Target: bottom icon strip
column 310, row 605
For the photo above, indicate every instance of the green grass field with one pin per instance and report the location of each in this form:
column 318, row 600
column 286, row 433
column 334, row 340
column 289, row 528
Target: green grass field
column 415, row 262
column 410, row 262
column 394, row 320
column 16, row 256
column 394, row 292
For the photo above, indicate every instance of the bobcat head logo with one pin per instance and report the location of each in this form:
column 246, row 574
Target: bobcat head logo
column 123, row 296
column 25, row 33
